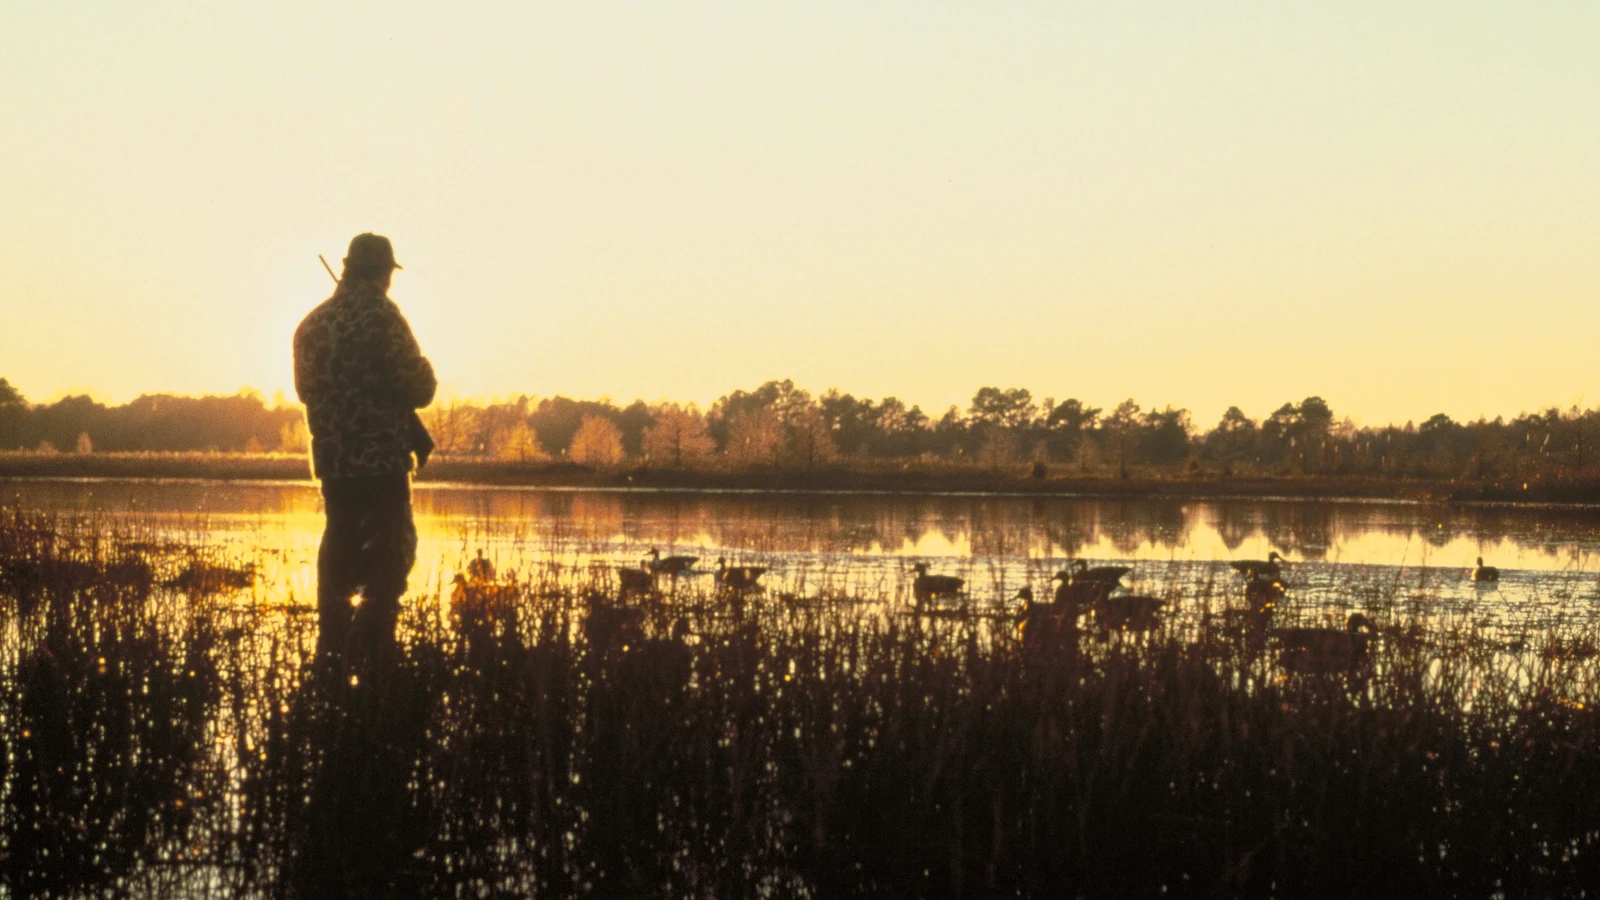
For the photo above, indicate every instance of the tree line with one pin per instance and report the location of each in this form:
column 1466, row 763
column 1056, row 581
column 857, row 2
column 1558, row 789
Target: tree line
column 782, row 426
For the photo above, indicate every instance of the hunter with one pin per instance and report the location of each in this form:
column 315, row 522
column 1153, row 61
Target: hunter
column 362, row 377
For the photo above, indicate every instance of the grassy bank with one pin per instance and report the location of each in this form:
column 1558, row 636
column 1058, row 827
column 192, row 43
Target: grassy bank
column 165, row 733
column 915, row 478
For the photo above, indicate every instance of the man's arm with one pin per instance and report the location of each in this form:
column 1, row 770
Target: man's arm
column 410, row 373
column 303, row 378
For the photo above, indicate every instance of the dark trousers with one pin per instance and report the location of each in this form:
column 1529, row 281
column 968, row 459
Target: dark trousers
column 368, row 548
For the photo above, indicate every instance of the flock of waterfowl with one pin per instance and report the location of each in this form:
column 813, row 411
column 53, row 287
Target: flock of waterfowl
column 1084, row 591
column 1080, row 592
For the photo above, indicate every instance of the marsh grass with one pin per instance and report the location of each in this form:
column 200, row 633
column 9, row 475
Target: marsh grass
column 167, row 734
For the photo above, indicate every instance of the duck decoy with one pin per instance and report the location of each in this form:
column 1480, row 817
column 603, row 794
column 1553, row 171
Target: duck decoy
column 1039, row 627
column 928, row 587
column 670, row 565
column 1324, row 650
column 1036, row 625
column 738, row 578
column 480, row 569
column 1073, row 596
column 1485, row 573
column 1259, row 568
column 1081, row 572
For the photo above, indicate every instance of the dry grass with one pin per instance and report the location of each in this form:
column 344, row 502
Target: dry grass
column 165, row 734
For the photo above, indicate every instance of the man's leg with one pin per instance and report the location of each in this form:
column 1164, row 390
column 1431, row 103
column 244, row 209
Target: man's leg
column 388, row 553
column 338, row 560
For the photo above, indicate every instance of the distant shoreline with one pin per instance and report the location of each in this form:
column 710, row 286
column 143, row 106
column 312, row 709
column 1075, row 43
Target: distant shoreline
column 882, row 479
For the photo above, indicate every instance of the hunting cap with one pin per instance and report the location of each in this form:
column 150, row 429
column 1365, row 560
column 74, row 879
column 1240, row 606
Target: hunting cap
column 370, row 251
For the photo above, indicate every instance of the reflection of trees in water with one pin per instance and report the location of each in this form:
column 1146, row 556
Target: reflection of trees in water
column 668, row 519
column 1305, row 529
column 1071, row 526
column 1001, row 531
column 597, row 516
column 1570, row 534
column 762, row 524
column 1130, row 525
column 183, row 497
column 1236, row 523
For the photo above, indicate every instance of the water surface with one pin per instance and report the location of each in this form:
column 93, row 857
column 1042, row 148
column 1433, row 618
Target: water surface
column 1339, row 551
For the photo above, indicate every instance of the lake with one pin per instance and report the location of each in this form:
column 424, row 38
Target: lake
column 865, row 542
column 166, row 735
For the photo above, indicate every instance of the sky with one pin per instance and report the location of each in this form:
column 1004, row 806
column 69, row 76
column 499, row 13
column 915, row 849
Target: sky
column 1393, row 206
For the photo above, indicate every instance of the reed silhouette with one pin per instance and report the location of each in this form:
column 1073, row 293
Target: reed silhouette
column 166, row 735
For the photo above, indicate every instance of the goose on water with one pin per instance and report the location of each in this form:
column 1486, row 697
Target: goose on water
column 1485, row 573
column 1322, row 650
column 1259, row 568
column 928, row 587
column 670, row 565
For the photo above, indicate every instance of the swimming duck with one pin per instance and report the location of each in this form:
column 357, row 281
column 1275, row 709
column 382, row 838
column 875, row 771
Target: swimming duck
column 1259, row 568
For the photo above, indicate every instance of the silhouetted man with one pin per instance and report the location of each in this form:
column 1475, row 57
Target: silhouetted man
column 361, row 375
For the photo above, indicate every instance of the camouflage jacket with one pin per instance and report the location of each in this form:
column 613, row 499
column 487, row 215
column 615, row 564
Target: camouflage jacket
column 360, row 373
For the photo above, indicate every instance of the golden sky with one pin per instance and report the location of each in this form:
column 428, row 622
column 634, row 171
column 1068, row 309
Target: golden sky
column 1395, row 206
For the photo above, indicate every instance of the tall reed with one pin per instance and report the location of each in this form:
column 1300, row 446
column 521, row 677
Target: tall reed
column 166, row 734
